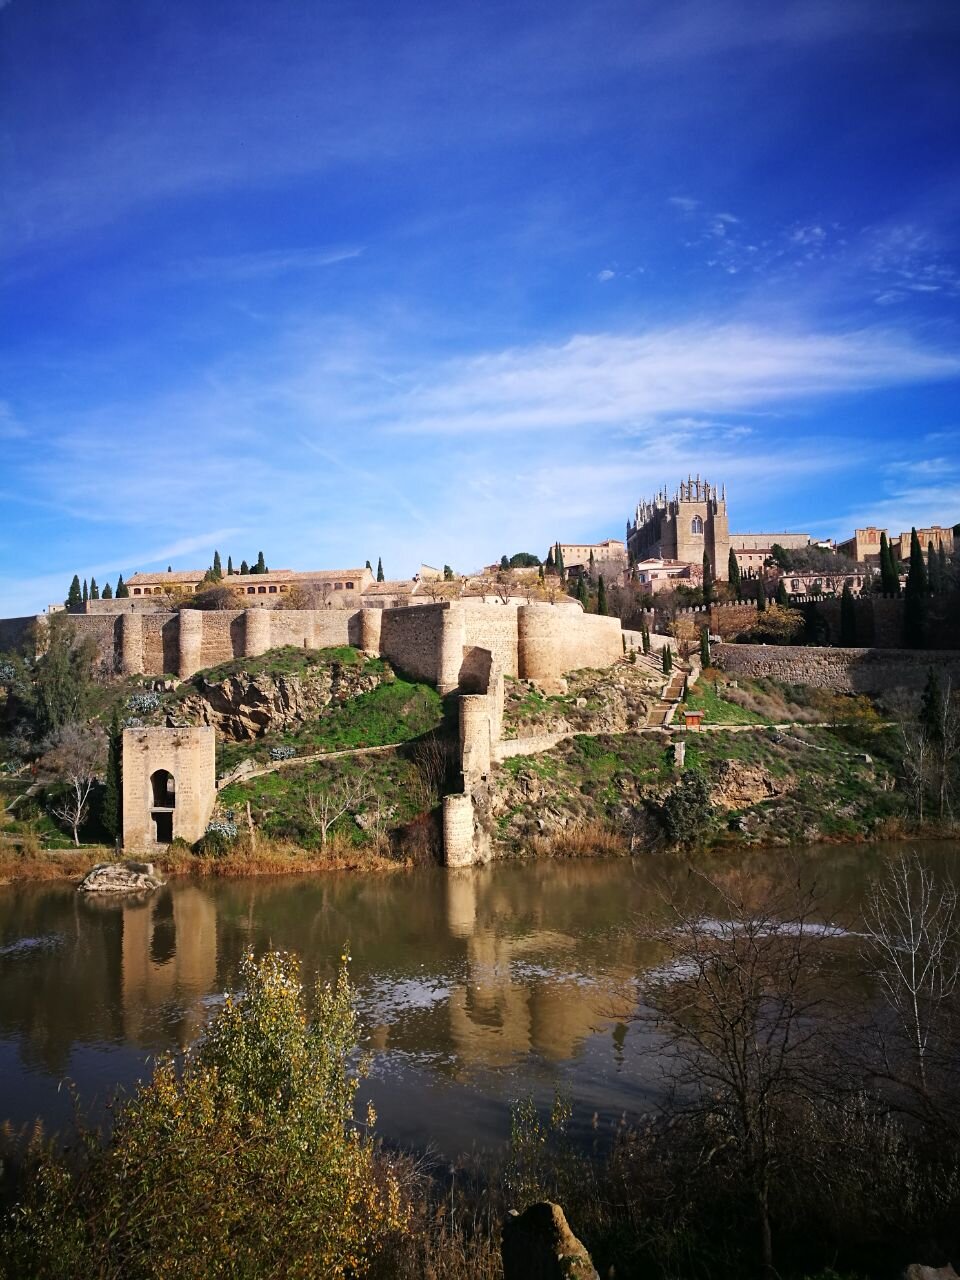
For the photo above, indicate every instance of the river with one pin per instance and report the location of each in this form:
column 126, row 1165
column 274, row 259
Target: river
column 475, row 987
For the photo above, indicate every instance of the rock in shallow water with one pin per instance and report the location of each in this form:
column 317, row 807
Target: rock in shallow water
column 120, row 877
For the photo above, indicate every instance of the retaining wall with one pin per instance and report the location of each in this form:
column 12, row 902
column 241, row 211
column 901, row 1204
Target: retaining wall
column 845, row 670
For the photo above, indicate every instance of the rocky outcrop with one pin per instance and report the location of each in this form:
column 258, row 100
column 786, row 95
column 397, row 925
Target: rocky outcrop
column 539, row 1245
column 611, row 701
column 917, row 1272
column 243, row 706
column 735, row 785
column 120, row 877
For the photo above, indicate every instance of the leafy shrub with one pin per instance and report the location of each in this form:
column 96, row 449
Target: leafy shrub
column 686, row 810
column 245, row 1162
column 217, row 840
column 139, row 703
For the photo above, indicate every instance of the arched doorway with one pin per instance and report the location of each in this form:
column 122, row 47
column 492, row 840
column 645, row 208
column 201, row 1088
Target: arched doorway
column 164, row 789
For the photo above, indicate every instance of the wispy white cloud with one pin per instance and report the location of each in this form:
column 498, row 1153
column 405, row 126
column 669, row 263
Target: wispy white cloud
column 267, row 262
column 606, row 380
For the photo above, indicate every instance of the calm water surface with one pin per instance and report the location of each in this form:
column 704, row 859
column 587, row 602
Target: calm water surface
column 475, row 987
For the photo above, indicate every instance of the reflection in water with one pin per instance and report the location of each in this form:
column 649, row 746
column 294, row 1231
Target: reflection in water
column 475, row 986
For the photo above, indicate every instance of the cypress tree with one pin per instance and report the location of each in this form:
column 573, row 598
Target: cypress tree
column 107, row 592
column 560, row 564
column 602, row 597
column 94, row 589
column 261, row 564
column 244, row 567
column 667, row 660
column 933, row 570
column 111, row 812
column 848, row 617
column 645, row 637
column 229, row 566
column 504, row 562
column 582, row 593
column 380, row 575
column 550, row 562
column 782, row 599
column 889, row 577
column 761, row 595
column 915, row 607
column 123, row 591
column 370, row 566
column 704, row 647
column 540, row 574
column 217, row 566
column 707, row 581
column 86, row 593
column 942, row 569
column 74, row 595
column 733, row 572
column 592, row 563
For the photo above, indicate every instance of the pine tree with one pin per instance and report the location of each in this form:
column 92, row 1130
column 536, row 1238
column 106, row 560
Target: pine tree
column 848, row 618
column 733, row 572
column 582, row 593
column 261, row 566
column 504, row 562
column 915, row 606
column 111, row 812
column 704, row 647
column 707, row 580
column 244, row 567
column 86, row 593
column 782, row 599
column 94, row 589
column 217, row 566
column 380, row 576
column 447, row 573
column 229, row 566
column 107, row 592
column 74, row 595
column 123, row 591
column 602, row 597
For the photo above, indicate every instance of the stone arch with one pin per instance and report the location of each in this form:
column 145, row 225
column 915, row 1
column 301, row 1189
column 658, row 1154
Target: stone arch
column 696, row 524
column 163, row 789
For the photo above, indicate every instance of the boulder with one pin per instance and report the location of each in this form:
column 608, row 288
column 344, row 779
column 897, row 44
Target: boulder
column 120, row 877
column 539, row 1245
column 918, row 1272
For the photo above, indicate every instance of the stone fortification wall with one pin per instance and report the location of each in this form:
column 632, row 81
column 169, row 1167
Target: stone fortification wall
column 126, row 604
column 551, row 642
column 412, row 640
column 845, row 670
column 494, row 627
column 15, row 632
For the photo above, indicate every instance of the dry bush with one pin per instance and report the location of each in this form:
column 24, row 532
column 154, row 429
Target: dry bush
column 585, row 840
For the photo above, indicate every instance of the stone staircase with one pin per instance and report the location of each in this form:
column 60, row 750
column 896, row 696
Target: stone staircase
column 661, row 712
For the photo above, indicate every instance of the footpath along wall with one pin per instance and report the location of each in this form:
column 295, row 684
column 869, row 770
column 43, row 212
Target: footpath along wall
column 843, row 670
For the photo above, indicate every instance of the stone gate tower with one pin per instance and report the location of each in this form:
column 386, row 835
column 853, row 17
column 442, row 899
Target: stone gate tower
column 169, row 785
column 683, row 527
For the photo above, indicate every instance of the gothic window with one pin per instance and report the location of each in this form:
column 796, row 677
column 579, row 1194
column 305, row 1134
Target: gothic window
column 696, row 525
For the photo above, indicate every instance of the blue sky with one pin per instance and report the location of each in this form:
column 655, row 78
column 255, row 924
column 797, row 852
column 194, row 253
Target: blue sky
column 441, row 281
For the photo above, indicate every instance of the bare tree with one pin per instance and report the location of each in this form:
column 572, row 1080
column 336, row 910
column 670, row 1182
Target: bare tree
column 327, row 806
column 74, row 758
column 912, row 947
column 738, row 1001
